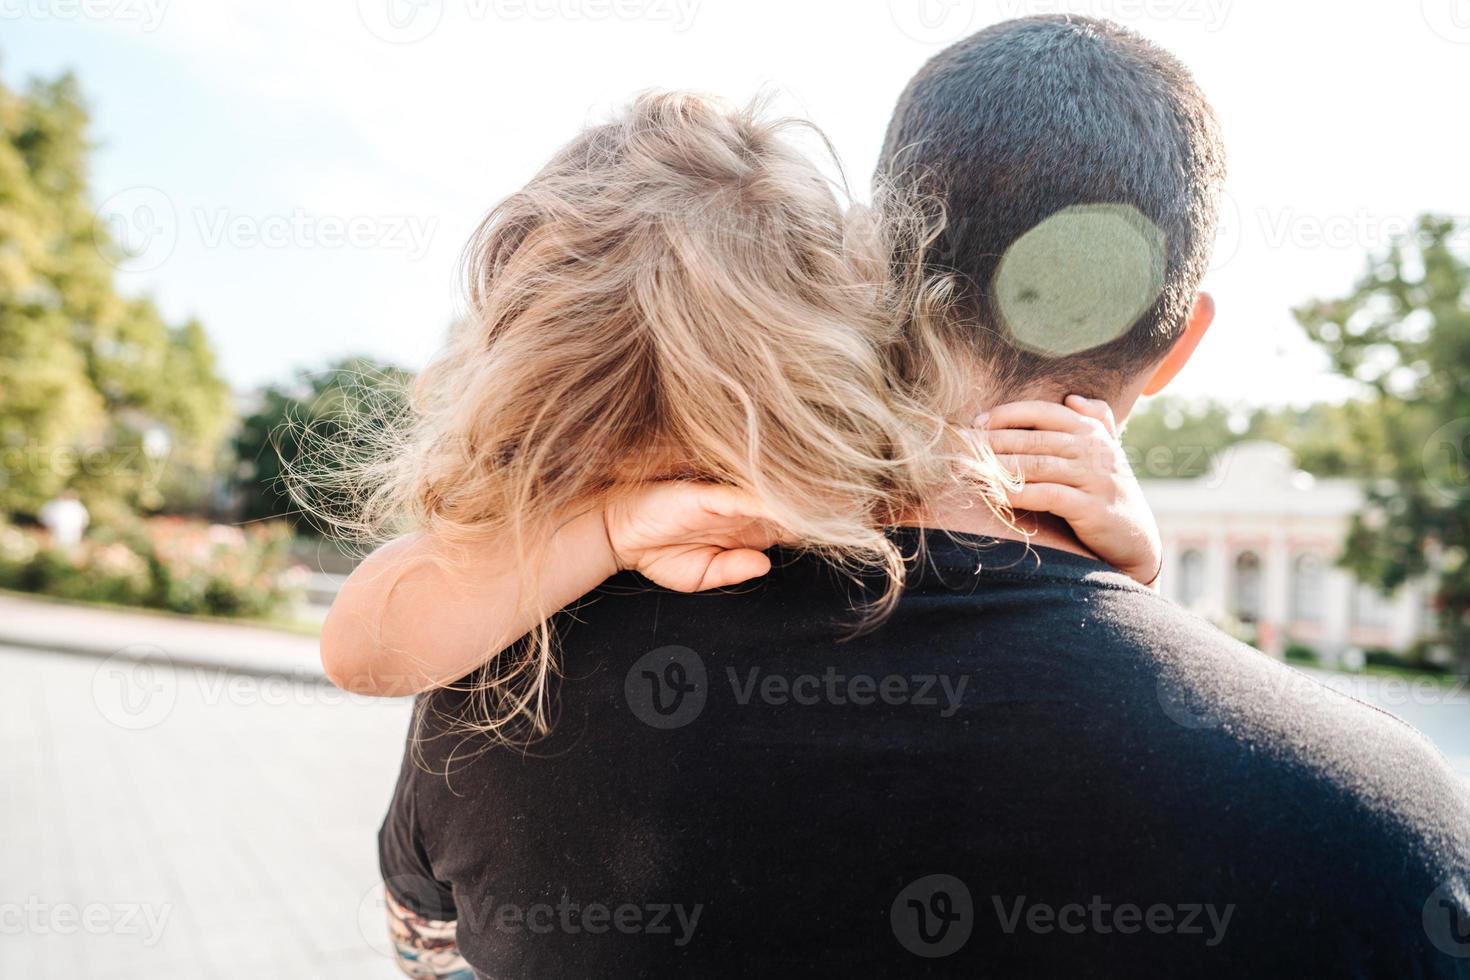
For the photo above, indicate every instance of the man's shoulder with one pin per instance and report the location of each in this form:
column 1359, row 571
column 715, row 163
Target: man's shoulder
column 1158, row 674
column 1208, row 679
column 1308, row 737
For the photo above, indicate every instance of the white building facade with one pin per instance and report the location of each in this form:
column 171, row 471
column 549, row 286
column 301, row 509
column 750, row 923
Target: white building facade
column 1254, row 545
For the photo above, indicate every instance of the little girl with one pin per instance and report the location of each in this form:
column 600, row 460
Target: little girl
column 681, row 351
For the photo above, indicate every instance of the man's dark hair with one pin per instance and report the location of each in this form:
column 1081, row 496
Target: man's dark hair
column 1032, row 116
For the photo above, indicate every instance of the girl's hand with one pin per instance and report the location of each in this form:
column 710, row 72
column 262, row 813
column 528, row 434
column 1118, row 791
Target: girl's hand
column 1074, row 467
column 690, row 536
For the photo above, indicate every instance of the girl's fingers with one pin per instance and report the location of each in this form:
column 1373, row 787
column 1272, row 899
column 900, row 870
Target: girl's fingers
column 1094, row 408
column 1031, row 442
column 1066, row 502
column 730, row 518
column 759, row 535
column 724, row 507
column 734, row 506
column 733, row 567
column 1036, row 415
column 723, row 501
column 1046, row 469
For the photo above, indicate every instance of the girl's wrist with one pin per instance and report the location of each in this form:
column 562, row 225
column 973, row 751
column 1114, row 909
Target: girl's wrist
column 587, row 539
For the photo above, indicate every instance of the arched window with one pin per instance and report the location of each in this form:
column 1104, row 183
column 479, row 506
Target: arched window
column 1247, row 591
column 1308, row 588
column 1191, row 589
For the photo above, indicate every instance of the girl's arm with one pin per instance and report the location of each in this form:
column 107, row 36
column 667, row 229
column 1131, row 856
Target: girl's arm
column 421, row 612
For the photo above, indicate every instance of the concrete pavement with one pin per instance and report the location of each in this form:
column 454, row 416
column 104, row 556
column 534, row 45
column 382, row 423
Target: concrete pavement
column 44, row 624
column 165, row 820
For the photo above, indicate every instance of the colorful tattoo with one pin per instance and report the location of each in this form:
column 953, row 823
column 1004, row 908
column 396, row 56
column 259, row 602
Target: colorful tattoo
column 426, row 948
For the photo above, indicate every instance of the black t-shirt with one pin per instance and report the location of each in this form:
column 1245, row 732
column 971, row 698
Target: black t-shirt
column 1033, row 768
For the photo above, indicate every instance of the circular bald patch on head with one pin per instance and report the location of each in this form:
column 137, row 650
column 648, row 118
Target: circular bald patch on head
column 1080, row 279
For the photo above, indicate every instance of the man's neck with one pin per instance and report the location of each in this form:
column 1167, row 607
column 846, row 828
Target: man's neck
column 972, row 516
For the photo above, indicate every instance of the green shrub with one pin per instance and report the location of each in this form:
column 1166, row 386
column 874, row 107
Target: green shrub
column 163, row 563
column 17, row 550
column 1385, row 658
column 1301, row 653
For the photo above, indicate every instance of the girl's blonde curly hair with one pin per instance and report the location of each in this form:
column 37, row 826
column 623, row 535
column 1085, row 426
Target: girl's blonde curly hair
column 679, row 292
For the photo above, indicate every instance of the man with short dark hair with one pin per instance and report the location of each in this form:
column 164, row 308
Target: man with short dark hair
column 1035, row 767
column 1035, row 118
column 1079, row 168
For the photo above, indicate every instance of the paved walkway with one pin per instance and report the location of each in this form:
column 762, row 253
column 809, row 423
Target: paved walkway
column 186, row 821
column 67, row 628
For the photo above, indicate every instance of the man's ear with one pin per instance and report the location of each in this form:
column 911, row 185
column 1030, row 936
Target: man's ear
column 1200, row 319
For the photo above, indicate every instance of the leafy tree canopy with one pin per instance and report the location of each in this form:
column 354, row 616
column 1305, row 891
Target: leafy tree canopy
column 1403, row 332
column 88, row 377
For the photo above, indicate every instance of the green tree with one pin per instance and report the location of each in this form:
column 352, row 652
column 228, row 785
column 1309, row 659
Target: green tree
column 1322, row 437
column 330, row 415
column 1403, row 333
column 88, row 377
column 46, row 400
column 1170, row 438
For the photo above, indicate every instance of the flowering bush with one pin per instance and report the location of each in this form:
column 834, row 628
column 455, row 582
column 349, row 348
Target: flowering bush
column 17, row 550
column 164, row 563
column 223, row 570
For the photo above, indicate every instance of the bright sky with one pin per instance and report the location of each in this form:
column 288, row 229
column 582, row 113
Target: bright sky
column 302, row 175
